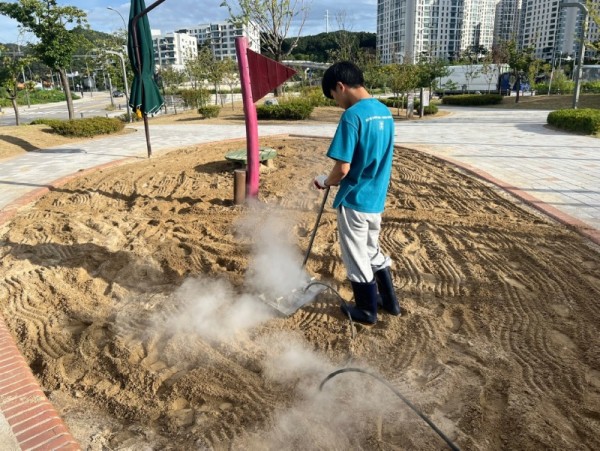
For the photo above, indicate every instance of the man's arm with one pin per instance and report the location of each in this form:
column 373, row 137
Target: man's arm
column 338, row 172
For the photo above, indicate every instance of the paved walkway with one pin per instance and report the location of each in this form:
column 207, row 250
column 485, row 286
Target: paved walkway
column 556, row 172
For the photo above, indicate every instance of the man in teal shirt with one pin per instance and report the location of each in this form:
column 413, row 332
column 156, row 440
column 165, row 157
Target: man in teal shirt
column 362, row 148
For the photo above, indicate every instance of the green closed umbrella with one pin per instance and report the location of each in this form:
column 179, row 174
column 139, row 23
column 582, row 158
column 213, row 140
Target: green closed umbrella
column 145, row 96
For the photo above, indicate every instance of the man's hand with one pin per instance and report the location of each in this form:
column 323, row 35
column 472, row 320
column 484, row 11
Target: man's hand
column 319, row 181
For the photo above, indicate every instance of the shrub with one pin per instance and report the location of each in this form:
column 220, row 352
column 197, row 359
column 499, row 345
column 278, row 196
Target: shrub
column 88, row 127
column 585, row 120
column 430, row 109
column 209, row 111
column 42, row 121
column 315, row 97
column 591, row 87
column 287, row 110
column 393, row 102
column 472, row 99
column 195, row 98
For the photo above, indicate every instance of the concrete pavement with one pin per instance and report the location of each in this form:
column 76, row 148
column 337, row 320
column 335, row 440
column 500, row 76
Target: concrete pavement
column 556, row 172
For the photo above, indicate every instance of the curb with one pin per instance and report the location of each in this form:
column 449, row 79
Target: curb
column 33, row 421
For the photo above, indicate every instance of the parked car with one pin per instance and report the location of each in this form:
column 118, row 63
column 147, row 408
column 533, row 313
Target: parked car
column 118, row 93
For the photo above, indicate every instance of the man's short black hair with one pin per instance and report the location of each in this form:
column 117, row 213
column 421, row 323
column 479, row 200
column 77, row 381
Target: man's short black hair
column 344, row 71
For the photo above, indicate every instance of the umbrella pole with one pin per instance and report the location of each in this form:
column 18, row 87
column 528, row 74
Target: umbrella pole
column 147, row 129
column 136, row 44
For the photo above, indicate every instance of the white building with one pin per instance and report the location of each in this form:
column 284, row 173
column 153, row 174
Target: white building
column 173, row 49
column 221, row 36
column 446, row 29
column 409, row 29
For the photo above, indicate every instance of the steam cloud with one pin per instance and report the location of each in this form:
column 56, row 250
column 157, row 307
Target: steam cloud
column 211, row 308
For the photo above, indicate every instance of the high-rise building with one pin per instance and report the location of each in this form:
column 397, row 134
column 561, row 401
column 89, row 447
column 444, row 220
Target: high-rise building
column 444, row 29
column 220, row 36
column 507, row 21
column 410, row 29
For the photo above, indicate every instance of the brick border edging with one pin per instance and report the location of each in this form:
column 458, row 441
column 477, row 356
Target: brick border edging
column 33, row 420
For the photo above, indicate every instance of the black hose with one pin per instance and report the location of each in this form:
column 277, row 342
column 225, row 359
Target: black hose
column 397, row 393
column 316, row 282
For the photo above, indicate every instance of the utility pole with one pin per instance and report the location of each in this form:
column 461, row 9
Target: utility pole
column 124, row 81
column 584, row 28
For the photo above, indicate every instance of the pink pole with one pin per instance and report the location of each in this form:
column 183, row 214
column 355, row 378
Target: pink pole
column 253, row 163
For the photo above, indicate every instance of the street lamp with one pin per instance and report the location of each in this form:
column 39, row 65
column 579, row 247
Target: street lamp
column 124, row 80
column 584, row 28
column 124, row 24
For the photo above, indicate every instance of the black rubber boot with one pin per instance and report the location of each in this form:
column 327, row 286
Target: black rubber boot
column 365, row 297
column 389, row 302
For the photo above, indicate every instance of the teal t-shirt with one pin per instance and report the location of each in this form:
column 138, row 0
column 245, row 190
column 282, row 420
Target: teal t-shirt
column 365, row 139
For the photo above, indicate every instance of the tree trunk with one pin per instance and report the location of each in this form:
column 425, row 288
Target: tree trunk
column 67, row 90
column 13, row 100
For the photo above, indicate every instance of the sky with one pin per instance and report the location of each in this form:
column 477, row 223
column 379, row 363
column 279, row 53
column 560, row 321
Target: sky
column 175, row 14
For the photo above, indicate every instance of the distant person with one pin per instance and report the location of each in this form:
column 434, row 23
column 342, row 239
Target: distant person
column 362, row 150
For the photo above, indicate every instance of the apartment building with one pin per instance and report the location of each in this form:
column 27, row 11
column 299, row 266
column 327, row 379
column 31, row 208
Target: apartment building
column 410, row 29
column 507, row 21
column 446, row 29
column 220, row 36
column 173, row 49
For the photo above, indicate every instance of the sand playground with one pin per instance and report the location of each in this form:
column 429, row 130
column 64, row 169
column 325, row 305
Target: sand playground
column 132, row 293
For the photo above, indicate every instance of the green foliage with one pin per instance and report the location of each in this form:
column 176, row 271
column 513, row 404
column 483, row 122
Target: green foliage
column 88, row 127
column 430, row 109
column 398, row 102
column 38, row 97
column 402, row 77
column 472, row 99
column 561, row 84
column 45, row 121
column 208, row 111
column 287, row 110
column 315, row 97
column 320, row 47
column 585, row 120
column 48, row 22
column 195, row 98
column 393, row 102
column 591, row 87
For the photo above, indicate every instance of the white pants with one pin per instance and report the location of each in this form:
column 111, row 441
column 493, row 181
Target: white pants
column 359, row 240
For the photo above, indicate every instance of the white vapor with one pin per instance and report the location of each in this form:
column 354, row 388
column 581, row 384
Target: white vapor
column 212, row 309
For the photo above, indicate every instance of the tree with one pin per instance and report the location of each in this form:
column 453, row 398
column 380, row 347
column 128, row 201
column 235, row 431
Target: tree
column 11, row 67
column 231, row 76
column 499, row 57
column 346, row 41
column 430, row 70
column 402, row 78
column 488, row 71
column 48, row 22
column 273, row 18
column 171, row 77
column 594, row 14
column 519, row 62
